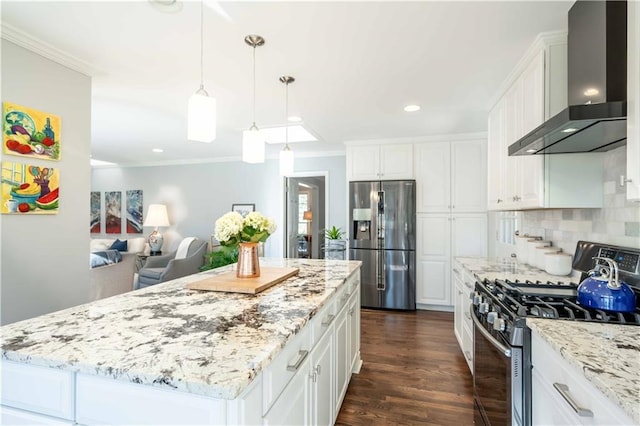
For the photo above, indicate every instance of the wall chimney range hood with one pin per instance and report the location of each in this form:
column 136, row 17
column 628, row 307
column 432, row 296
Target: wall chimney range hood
column 596, row 118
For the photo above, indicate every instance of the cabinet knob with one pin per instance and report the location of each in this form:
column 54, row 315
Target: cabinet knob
column 499, row 201
column 624, row 181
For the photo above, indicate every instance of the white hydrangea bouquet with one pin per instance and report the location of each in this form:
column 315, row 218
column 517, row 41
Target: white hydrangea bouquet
column 232, row 229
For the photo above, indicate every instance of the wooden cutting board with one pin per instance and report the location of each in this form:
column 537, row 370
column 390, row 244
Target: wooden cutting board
column 228, row 282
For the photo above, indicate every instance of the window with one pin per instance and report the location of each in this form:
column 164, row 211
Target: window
column 303, row 203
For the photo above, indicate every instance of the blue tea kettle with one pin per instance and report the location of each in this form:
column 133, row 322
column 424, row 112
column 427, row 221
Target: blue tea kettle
column 606, row 291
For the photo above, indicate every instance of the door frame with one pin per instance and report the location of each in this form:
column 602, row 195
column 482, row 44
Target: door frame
column 325, row 174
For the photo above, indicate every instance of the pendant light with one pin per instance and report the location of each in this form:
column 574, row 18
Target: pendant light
column 253, row 139
column 201, row 110
column 286, row 155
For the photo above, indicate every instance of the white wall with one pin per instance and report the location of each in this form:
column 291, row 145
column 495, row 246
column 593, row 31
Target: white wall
column 45, row 258
column 197, row 194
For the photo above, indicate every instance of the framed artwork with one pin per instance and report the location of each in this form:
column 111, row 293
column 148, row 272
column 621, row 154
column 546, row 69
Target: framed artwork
column 113, row 212
column 243, row 209
column 95, row 225
column 27, row 132
column 28, row 189
column 134, row 211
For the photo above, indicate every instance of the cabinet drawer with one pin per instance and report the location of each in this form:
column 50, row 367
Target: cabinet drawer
column 322, row 321
column 13, row 416
column 550, row 368
column 38, row 389
column 284, row 367
column 107, row 401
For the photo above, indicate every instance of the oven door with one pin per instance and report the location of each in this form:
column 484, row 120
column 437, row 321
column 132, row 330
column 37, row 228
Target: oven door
column 497, row 379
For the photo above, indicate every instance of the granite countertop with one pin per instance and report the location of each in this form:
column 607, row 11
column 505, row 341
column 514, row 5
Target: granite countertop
column 607, row 354
column 511, row 269
column 207, row 343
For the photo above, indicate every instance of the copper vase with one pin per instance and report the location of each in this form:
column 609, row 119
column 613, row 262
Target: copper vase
column 248, row 264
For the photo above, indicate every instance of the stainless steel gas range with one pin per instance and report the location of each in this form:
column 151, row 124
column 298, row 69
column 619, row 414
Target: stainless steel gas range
column 502, row 341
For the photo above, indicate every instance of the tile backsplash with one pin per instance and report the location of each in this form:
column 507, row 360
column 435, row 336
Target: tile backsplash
column 617, row 223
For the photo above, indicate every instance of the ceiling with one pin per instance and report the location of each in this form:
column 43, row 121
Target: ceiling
column 356, row 65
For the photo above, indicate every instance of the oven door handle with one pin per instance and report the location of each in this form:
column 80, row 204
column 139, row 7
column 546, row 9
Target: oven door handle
column 502, row 348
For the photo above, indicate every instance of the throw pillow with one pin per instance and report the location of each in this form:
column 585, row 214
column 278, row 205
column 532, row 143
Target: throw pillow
column 119, row 245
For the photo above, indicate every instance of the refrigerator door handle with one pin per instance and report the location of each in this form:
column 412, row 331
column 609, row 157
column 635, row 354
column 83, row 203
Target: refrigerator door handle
column 382, row 272
column 381, row 219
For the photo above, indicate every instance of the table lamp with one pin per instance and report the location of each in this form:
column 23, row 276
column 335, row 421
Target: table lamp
column 156, row 217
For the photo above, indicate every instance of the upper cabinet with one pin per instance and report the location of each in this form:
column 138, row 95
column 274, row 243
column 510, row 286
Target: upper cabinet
column 633, row 101
column 379, row 162
column 536, row 91
column 451, row 176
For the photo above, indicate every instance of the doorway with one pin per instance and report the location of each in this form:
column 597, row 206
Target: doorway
column 306, row 213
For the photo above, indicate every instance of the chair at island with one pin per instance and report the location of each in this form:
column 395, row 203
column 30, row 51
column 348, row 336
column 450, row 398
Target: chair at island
column 186, row 260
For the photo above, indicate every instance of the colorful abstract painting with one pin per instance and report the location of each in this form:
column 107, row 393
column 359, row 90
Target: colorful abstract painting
column 134, row 211
column 113, row 212
column 95, row 225
column 30, row 133
column 28, row 189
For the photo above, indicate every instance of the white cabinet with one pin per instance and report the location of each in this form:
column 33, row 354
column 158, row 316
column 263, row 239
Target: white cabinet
column 379, row 162
column 343, row 371
column 451, row 176
column 463, row 327
column 555, row 383
column 441, row 237
column 293, row 406
column 633, row 101
column 320, row 374
column 536, row 92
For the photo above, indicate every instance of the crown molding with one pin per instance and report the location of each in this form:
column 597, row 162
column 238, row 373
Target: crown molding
column 29, row 42
column 420, row 139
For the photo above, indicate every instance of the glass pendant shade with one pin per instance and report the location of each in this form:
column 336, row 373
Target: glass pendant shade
column 201, row 117
column 253, row 148
column 286, row 161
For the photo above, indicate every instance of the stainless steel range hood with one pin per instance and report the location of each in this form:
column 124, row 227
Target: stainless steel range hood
column 596, row 118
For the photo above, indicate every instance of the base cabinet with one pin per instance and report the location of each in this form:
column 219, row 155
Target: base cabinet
column 463, row 327
column 555, row 383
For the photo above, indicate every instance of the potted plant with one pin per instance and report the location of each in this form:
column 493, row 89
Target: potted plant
column 334, row 243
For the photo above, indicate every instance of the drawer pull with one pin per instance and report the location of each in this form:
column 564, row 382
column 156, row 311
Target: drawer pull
column 467, row 315
column 326, row 322
column 467, row 355
column 564, row 391
column 456, row 271
column 467, row 285
column 301, row 356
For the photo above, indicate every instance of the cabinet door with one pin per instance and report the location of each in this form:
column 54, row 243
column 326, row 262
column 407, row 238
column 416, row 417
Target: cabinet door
column 633, row 101
column 468, row 176
column 322, row 412
column 354, row 327
column 433, row 283
column 513, row 131
column 458, row 317
column 434, row 237
column 293, row 405
column 433, row 175
column 396, row 161
column 469, row 235
column 496, row 181
column 343, row 372
column 363, row 162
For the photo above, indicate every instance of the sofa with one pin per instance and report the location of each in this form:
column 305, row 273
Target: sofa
column 116, row 278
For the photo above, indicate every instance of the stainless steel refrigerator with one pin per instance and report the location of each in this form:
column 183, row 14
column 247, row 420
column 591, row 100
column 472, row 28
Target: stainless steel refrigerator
column 382, row 234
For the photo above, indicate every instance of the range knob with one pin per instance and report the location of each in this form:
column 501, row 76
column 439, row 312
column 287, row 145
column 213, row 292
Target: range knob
column 477, row 299
column 491, row 317
column 483, row 308
column 499, row 324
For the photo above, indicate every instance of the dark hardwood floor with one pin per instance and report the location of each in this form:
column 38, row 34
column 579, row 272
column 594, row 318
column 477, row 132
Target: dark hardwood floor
column 413, row 372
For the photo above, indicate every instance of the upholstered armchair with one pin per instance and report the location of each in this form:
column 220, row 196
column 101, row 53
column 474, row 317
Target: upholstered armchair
column 186, row 260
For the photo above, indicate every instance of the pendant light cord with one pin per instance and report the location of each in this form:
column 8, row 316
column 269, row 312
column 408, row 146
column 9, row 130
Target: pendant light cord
column 201, row 45
column 286, row 112
column 254, row 85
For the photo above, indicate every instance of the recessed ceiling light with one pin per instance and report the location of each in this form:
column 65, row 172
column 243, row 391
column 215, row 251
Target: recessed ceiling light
column 166, row 6
column 295, row 119
column 592, row 91
column 569, row 130
column 157, row 150
column 412, row 108
column 297, row 133
column 531, row 151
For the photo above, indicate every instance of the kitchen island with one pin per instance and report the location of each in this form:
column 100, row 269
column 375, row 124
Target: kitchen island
column 166, row 354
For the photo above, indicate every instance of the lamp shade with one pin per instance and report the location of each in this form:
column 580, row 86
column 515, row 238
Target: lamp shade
column 307, row 215
column 253, row 145
column 157, row 216
column 201, row 117
column 286, row 162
